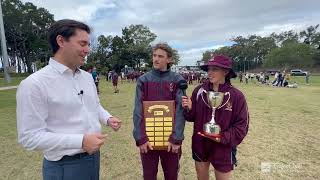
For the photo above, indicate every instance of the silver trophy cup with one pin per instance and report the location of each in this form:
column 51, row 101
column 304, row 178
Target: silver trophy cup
column 215, row 100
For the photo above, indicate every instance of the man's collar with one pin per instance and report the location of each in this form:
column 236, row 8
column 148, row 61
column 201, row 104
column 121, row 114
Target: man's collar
column 61, row 68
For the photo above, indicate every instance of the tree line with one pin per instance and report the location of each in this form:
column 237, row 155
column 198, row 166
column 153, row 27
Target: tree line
column 26, row 27
column 133, row 49
column 289, row 49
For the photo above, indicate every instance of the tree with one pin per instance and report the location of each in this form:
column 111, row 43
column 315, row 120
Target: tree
column 175, row 57
column 26, row 29
column 311, row 36
column 100, row 54
column 137, row 41
column 285, row 37
column 138, row 34
column 133, row 49
column 206, row 56
column 247, row 53
column 291, row 55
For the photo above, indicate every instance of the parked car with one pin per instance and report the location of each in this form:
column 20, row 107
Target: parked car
column 272, row 72
column 298, row 72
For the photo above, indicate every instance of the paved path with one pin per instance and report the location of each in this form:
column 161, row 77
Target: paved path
column 8, row 87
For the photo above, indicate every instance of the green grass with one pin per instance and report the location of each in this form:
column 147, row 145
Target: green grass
column 14, row 81
column 313, row 80
column 284, row 131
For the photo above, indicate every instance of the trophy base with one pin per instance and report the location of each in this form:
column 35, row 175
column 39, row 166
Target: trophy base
column 213, row 135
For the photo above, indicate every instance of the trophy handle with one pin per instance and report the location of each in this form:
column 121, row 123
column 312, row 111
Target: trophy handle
column 227, row 93
column 204, row 91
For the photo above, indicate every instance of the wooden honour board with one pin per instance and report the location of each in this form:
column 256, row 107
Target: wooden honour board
column 159, row 117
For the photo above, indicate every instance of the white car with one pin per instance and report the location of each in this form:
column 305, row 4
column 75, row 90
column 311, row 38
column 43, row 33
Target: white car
column 298, row 72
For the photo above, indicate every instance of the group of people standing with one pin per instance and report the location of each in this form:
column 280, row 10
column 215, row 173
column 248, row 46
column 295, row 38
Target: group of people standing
column 193, row 76
column 246, row 76
column 112, row 75
column 281, row 79
column 59, row 113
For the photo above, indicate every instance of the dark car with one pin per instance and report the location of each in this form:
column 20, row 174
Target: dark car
column 298, row 72
column 273, row 72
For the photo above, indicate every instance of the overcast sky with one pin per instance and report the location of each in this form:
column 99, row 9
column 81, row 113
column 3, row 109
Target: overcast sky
column 189, row 26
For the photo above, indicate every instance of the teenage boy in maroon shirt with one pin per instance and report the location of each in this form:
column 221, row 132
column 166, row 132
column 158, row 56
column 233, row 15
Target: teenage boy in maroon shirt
column 160, row 84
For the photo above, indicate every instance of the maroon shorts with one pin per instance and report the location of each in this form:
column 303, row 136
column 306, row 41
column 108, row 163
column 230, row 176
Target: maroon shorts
column 219, row 167
column 223, row 168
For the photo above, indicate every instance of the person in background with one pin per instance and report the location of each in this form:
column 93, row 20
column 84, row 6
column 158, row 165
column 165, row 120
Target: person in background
column 246, row 77
column 275, row 81
column 281, row 78
column 123, row 77
column 115, row 78
column 109, row 76
column 95, row 77
column 307, row 77
column 241, row 77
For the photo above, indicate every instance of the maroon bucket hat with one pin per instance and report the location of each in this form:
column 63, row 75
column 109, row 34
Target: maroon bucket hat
column 222, row 62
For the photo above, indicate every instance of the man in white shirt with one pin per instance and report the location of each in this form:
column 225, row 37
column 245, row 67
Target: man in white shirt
column 58, row 109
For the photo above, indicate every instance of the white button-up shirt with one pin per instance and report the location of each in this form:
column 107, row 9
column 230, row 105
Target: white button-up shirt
column 52, row 113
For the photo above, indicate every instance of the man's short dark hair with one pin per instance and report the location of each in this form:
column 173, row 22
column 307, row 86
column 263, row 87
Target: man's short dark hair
column 66, row 28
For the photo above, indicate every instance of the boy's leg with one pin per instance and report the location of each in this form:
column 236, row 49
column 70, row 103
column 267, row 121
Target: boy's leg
column 170, row 164
column 202, row 169
column 150, row 163
column 222, row 175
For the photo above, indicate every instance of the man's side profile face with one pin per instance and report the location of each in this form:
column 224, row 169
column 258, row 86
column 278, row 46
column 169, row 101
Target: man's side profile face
column 76, row 48
column 160, row 59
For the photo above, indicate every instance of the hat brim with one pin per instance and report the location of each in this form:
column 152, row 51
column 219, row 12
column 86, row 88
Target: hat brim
column 231, row 73
column 205, row 67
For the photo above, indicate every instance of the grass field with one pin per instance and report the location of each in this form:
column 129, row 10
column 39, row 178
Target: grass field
column 14, row 81
column 283, row 137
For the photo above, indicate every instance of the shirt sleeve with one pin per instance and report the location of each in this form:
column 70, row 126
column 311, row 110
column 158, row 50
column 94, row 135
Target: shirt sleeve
column 177, row 135
column 190, row 115
column 104, row 115
column 239, row 127
column 139, row 133
column 32, row 112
